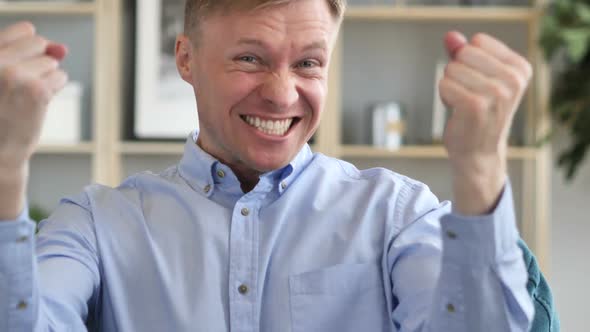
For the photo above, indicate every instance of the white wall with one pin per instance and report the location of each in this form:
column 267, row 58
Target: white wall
column 570, row 264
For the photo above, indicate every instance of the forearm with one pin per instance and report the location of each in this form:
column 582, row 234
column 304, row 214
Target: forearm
column 13, row 186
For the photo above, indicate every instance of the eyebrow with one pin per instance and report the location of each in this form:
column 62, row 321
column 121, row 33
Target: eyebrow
column 320, row 44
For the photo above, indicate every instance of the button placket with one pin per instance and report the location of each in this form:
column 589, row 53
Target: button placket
column 245, row 212
column 243, row 261
column 22, row 305
column 243, row 289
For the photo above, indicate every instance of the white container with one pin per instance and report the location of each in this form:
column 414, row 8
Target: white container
column 62, row 122
column 388, row 126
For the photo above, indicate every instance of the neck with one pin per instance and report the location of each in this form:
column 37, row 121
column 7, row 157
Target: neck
column 248, row 177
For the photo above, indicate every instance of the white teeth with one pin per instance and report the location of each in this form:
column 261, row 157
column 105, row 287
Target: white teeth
column 269, row 127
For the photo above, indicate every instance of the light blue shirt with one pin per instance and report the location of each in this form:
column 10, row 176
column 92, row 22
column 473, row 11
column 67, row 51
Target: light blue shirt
column 316, row 246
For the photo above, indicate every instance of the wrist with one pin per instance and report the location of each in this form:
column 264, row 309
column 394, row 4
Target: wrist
column 13, row 185
column 477, row 187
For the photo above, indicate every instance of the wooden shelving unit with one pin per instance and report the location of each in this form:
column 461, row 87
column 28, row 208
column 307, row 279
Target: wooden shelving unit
column 421, row 152
column 47, row 8
column 441, row 13
column 108, row 149
column 67, row 149
column 144, row 148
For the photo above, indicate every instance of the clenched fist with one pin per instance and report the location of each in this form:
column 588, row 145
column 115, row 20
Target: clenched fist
column 29, row 77
column 483, row 84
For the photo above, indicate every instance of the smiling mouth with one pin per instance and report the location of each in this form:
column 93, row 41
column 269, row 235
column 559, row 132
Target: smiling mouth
column 270, row 127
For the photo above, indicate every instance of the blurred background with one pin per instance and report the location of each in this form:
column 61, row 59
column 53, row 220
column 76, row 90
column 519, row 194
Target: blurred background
column 126, row 110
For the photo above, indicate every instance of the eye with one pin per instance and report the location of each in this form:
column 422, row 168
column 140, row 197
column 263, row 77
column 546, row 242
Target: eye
column 248, row 59
column 308, row 64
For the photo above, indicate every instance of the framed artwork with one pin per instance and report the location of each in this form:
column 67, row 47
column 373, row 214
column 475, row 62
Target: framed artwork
column 165, row 106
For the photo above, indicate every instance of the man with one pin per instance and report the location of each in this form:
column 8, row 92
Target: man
column 251, row 231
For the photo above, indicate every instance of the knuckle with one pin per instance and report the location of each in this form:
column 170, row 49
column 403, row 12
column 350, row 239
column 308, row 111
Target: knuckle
column 516, row 81
column 499, row 91
column 443, row 84
column 51, row 62
column 477, row 103
column 39, row 41
column 528, row 70
column 36, row 90
column 62, row 77
column 464, row 52
column 478, row 38
column 28, row 28
column 451, row 68
column 10, row 75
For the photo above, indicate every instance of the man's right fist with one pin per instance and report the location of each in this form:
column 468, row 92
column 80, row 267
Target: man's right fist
column 29, row 77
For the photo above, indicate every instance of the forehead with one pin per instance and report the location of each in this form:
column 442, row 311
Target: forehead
column 303, row 19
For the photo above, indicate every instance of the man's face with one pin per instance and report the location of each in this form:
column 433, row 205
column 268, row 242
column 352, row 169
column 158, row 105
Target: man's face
column 260, row 78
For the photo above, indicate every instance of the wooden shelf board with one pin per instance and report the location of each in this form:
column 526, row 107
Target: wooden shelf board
column 80, row 148
column 55, row 8
column 151, row 148
column 440, row 13
column 428, row 152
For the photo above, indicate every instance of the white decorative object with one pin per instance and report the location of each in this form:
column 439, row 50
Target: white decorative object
column 165, row 105
column 388, row 126
column 62, row 122
column 439, row 110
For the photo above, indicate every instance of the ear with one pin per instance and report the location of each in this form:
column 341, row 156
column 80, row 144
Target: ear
column 184, row 57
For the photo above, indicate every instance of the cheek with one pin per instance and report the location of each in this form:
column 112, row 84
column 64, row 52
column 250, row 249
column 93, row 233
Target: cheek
column 236, row 87
column 314, row 94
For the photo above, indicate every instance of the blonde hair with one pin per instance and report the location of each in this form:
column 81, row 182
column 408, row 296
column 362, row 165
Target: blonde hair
column 196, row 10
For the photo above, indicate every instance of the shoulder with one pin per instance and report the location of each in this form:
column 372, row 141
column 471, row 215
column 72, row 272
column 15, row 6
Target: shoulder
column 130, row 191
column 346, row 171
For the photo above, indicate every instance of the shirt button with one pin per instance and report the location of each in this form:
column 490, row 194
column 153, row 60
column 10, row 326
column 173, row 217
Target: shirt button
column 207, row 188
column 284, row 185
column 243, row 289
column 451, row 235
column 245, row 212
column 220, row 173
column 22, row 305
column 450, row 308
column 22, row 239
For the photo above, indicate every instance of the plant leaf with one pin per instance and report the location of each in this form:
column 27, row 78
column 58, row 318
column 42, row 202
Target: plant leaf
column 576, row 40
column 583, row 12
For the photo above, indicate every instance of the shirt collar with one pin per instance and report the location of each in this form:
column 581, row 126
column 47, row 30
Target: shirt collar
column 205, row 174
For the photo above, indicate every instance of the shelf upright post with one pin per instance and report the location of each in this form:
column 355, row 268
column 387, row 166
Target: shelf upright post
column 106, row 164
column 329, row 133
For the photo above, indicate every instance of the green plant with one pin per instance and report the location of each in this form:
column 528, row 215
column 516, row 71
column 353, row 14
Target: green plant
column 565, row 35
column 37, row 213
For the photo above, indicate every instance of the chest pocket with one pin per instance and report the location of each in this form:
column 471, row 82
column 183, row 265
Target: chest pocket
column 346, row 297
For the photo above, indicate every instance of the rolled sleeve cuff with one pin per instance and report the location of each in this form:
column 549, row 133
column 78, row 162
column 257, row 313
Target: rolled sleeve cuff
column 484, row 239
column 10, row 230
column 16, row 273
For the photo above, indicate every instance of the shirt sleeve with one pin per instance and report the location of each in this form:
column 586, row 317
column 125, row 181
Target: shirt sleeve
column 35, row 292
column 458, row 273
column 16, row 266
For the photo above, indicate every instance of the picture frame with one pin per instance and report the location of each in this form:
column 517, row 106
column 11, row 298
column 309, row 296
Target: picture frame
column 165, row 105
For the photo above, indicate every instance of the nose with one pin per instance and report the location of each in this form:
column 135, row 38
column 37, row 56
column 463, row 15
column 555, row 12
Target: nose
column 279, row 90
